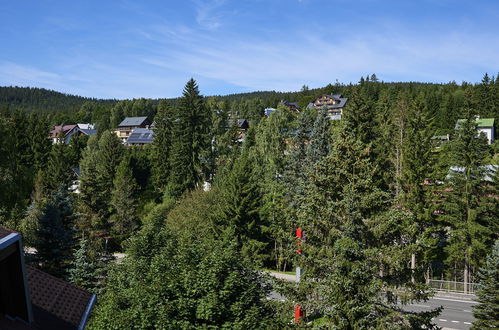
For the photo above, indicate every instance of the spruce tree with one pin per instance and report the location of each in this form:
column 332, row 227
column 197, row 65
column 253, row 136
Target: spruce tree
column 58, row 169
column 54, row 232
column 320, row 138
column 82, row 270
column 109, row 157
column 467, row 202
column 487, row 312
column 124, row 218
column 416, row 170
column 162, row 145
column 190, row 150
column 240, row 206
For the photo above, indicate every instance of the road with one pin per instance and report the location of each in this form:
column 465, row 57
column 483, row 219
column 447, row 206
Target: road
column 457, row 310
column 457, row 313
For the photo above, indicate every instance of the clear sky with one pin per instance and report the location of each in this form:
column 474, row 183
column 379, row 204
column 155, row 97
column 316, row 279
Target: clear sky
column 125, row 49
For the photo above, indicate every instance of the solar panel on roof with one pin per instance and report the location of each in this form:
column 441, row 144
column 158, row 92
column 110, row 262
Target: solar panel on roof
column 135, row 135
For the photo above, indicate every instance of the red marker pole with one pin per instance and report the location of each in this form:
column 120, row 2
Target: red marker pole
column 298, row 310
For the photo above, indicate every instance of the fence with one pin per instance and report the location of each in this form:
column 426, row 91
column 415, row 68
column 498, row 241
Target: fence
column 451, row 286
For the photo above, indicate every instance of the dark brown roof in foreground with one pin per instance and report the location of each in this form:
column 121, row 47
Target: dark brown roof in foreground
column 56, row 304
column 5, row 232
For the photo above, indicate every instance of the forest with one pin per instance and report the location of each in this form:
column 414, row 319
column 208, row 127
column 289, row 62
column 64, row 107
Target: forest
column 199, row 213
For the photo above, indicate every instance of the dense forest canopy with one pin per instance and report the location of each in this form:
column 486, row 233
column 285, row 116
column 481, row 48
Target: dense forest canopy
column 199, row 212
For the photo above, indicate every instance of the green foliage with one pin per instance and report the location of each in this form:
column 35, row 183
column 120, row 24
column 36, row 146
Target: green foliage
column 487, row 313
column 54, row 232
column 163, row 140
column 189, row 281
column 124, row 219
column 82, row 270
column 190, row 149
column 468, row 202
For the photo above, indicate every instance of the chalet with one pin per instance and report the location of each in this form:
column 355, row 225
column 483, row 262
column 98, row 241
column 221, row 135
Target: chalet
column 484, row 125
column 128, row 124
column 333, row 103
column 291, row 106
column 140, row 137
column 69, row 131
column 32, row 299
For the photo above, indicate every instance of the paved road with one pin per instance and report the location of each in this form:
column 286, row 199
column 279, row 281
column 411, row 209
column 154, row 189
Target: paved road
column 457, row 310
column 457, row 313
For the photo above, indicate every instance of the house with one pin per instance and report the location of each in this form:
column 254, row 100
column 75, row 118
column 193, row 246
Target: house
column 70, row 130
column 333, row 103
column 242, row 127
column 488, row 172
column 128, row 124
column 292, row 106
column 140, row 137
column 32, row 299
column 268, row 111
column 484, row 125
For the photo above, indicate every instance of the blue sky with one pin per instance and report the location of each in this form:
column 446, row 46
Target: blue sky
column 126, row 49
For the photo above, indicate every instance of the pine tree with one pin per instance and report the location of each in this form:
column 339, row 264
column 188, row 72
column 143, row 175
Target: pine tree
column 124, row 218
column 163, row 139
column 340, row 281
column 109, row 157
column 58, row 169
column 240, row 205
column 487, row 313
column 54, row 232
column 320, row 138
column 416, row 170
column 82, row 271
column 467, row 204
column 190, row 150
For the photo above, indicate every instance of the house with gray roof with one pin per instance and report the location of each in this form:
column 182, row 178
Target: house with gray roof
column 333, row 103
column 140, row 137
column 128, row 124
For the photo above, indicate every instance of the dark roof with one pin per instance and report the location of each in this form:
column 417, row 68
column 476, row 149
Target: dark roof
column 133, row 121
column 141, row 136
column 241, row 123
column 343, row 101
column 57, row 304
column 88, row 132
column 5, row 232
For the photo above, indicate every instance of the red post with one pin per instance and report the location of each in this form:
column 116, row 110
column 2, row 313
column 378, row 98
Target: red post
column 299, row 235
column 298, row 314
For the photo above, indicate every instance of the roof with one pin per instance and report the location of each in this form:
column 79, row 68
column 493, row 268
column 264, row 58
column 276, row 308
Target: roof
column 141, row 136
column 88, row 131
column 481, row 122
column 343, row 101
column 132, row 121
column 5, row 232
column 56, row 129
column 488, row 171
column 57, row 304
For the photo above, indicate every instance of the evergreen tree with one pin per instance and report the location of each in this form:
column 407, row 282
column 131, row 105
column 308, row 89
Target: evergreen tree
column 54, row 234
column 82, row 271
column 163, row 139
column 240, row 205
column 58, row 169
column 320, row 138
column 189, row 161
column 124, row 218
column 416, row 170
column 487, row 312
column 109, row 157
column 467, row 202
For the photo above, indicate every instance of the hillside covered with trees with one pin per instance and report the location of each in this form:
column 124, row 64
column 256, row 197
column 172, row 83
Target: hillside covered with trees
column 201, row 211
